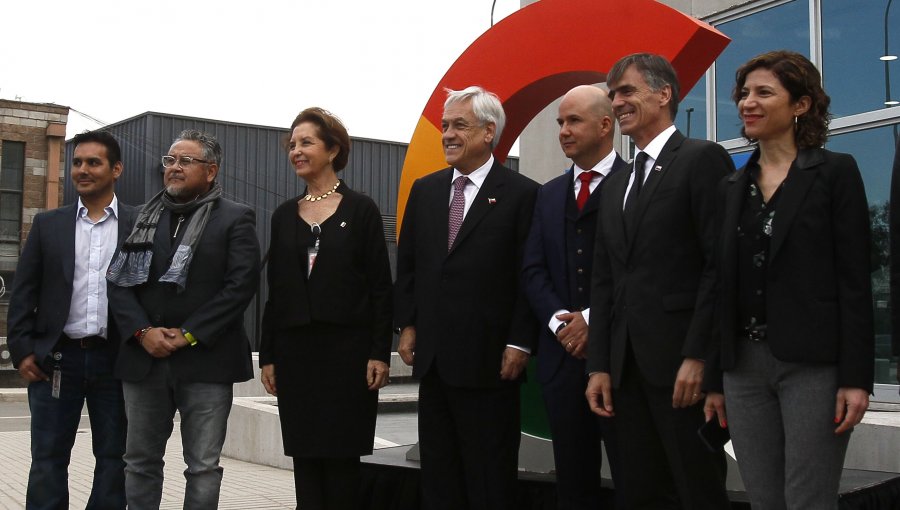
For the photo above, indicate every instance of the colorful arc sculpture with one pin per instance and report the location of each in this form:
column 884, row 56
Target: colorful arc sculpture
column 541, row 51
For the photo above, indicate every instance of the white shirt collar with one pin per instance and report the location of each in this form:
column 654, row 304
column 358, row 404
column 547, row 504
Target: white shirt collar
column 479, row 175
column 656, row 145
column 603, row 167
column 112, row 208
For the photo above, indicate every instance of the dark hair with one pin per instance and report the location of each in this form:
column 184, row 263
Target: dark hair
column 801, row 78
column 210, row 147
column 104, row 138
column 656, row 71
column 331, row 131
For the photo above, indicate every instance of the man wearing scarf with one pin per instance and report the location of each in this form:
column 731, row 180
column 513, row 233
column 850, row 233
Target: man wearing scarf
column 180, row 285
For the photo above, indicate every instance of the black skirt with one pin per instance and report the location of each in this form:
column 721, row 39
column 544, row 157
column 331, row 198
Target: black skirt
column 325, row 406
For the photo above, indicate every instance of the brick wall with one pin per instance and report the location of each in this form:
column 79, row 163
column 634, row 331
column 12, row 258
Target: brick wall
column 33, row 123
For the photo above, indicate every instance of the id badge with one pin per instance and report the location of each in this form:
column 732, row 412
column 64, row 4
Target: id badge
column 57, row 375
column 311, row 254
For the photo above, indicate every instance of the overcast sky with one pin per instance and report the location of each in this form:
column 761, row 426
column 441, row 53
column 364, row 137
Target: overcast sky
column 373, row 63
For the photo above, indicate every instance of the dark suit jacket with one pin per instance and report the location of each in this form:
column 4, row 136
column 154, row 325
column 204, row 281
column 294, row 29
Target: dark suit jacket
column 351, row 282
column 550, row 265
column 42, row 291
column 654, row 288
column 468, row 304
column 223, row 276
column 818, row 278
column 895, row 251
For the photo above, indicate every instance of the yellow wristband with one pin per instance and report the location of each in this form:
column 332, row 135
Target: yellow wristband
column 189, row 337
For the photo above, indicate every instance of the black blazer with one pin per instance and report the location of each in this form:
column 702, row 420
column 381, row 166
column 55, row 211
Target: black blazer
column 468, row 304
column 222, row 279
column 351, row 282
column 550, row 263
column 655, row 290
column 818, row 278
column 42, row 290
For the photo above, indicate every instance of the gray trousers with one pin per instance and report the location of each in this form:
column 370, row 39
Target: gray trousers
column 150, row 407
column 781, row 418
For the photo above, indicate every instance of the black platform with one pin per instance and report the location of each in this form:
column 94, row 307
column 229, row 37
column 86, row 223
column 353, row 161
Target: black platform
column 390, row 482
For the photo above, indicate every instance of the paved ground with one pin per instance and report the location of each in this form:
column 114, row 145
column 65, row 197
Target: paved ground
column 244, row 486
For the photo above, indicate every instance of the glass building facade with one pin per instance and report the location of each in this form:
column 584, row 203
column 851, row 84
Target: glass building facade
column 851, row 42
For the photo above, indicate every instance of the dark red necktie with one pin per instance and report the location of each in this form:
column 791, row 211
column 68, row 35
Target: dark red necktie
column 585, row 192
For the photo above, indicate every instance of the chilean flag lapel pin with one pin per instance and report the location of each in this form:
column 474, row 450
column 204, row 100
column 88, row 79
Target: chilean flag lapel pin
column 492, row 201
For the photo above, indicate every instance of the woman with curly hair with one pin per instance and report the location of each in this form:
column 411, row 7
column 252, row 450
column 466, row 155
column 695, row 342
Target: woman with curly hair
column 794, row 340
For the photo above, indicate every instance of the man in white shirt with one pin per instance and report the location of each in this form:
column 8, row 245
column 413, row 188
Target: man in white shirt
column 59, row 332
column 652, row 295
column 465, row 324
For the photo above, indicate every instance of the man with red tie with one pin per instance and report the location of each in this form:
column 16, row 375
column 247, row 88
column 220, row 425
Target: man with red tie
column 557, row 274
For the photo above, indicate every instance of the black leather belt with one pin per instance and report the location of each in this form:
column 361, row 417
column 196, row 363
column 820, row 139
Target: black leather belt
column 756, row 333
column 88, row 342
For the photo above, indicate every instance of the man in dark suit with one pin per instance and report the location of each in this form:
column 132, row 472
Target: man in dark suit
column 181, row 283
column 652, row 295
column 557, row 274
column 60, row 335
column 465, row 324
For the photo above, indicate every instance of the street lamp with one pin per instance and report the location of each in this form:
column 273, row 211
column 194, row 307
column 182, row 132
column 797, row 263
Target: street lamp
column 886, row 57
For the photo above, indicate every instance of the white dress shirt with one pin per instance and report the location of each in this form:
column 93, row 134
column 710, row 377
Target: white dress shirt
column 95, row 243
column 476, row 180
column 652, row 150
column 603, row 168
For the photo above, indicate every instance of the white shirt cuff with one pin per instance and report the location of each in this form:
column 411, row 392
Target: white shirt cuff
column 520, row 348
column 554, row 322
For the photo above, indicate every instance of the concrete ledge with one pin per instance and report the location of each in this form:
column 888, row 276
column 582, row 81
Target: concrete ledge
column 14, row 394
column 254, row 433
column 875, row 443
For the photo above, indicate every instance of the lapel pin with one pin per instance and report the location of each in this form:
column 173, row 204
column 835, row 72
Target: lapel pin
column 657, row 168
column 343, row 224
column 492, row 201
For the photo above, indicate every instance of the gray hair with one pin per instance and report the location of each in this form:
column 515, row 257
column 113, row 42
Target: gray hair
column 656, row 71
column 212, row 151
column 485, row 105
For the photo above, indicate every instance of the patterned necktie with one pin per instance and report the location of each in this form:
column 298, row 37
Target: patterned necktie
column 585, row 190
column 636, row 185
column 457, row 208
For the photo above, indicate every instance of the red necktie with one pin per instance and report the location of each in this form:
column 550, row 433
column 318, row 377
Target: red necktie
column 585, row 190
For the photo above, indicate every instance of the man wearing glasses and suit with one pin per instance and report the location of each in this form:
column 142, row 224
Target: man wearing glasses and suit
column 180, row 286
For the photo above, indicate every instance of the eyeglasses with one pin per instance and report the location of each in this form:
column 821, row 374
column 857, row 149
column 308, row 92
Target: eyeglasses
column 182, row 161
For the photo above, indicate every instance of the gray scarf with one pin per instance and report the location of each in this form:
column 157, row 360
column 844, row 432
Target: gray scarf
column 132, row 265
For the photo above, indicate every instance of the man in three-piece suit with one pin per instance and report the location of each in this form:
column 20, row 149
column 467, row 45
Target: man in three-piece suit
column 557, row 274
column 652, row 295
column 465, row 324
column 61, row 335
column 181, row 283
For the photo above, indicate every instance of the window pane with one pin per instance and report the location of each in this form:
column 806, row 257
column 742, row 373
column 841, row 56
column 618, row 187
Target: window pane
column 13, row 167
column 10, row 217
column 874, row 152
column 782, row 27
column 854, row 76
column 695, row 100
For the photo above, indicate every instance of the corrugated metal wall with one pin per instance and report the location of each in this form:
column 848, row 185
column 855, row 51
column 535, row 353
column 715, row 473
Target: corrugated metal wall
column 255, row 171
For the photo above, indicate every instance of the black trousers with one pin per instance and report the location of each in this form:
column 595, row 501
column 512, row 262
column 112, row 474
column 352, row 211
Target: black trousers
column 469, row 444
column 327, row 484
column 664, row 463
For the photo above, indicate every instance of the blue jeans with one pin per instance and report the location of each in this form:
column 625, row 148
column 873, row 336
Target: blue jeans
column 86, row 375
column 150, row 405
